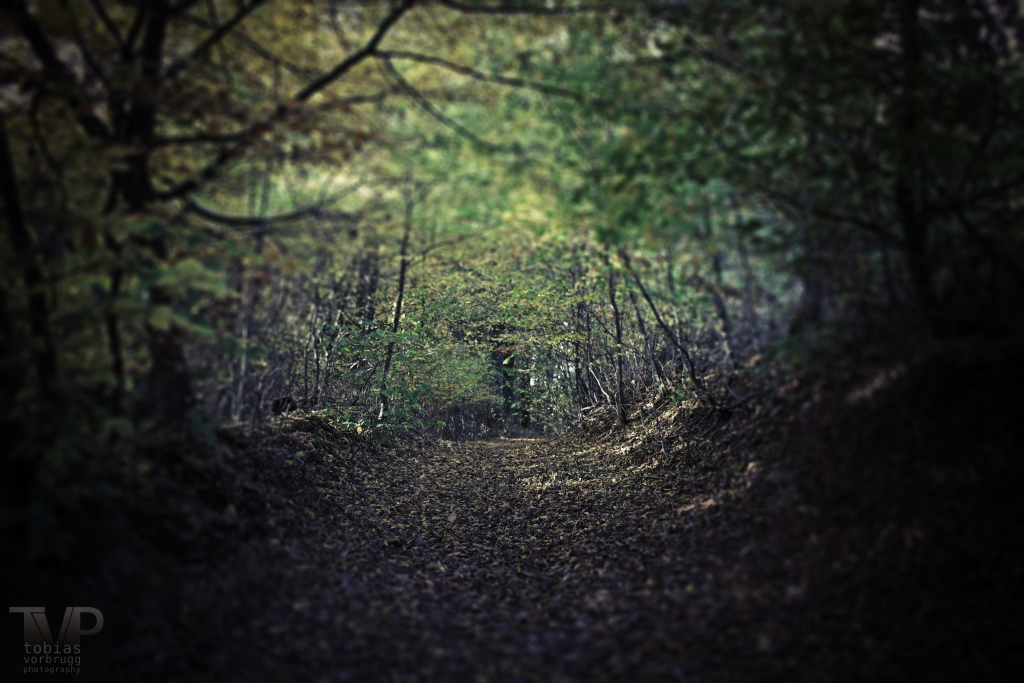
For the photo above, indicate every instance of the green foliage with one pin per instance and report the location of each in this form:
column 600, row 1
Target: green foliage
column 856, row 138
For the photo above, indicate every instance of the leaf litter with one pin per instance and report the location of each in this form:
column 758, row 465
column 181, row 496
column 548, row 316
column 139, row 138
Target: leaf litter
column 763, row 546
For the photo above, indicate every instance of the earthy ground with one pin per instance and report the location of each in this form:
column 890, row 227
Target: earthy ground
column 830, row 534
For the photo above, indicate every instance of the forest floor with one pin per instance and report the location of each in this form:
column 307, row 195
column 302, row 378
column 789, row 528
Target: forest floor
column 834, row 533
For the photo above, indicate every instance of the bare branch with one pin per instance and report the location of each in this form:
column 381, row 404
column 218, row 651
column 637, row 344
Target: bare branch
column 516, row 82
column 427, row 106
column 255, row 221
column 485, row 77
column 214, row 37
column 241, row 36
column 111, row 27
column 990, row 250
column 296, row 69
column 134, row 31
column 283, row 111
column 357, row 56
column 702, row 390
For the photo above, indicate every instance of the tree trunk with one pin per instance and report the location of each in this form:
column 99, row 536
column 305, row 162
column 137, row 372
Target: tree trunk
column 369, row 276
column 590, row 362
column 699, row 386
column 620, row 408
column 397, row 317
column 648, row 339
column 170, row 387
column 716, row 289
column 44, row 353
column 749, row 281
column 906, row 191
column 577, row 362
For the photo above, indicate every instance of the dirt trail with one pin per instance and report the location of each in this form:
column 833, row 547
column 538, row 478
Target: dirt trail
column 518, row 559
column 499, row 560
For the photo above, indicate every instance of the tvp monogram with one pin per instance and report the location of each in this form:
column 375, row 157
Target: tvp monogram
column 42, row 653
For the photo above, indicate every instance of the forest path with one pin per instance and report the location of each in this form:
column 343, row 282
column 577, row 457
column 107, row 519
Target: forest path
column 535, row 554
column 502, row 560
column 505, row 560
column 795, row 545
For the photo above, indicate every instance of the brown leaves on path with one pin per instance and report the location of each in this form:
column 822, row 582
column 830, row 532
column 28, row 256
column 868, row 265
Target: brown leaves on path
column 799, row 541
column 495, row 560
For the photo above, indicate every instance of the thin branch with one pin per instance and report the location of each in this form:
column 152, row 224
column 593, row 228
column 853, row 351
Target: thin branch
column 241, row 36
column 878, row 230
column 214, row 37
column 254, row 221
column 990, row 251
column 427, row 106
column 91, row 61
column 488, row 78
column 514, row 8
column 298, row 70
column 971, row 200
column 444, row 243
column 134, row 32
column 46, row 54
column 358, row 56
column 227, row 154
column 111, row 27
column 228, row 138
column 40, row 140
column 701, row 388
column 526, row 84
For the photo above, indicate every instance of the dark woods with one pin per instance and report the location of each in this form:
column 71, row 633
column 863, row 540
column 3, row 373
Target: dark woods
column 220, row 213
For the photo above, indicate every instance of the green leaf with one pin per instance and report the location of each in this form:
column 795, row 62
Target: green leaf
column 161, row 318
